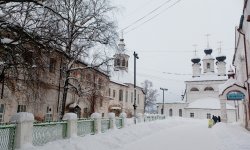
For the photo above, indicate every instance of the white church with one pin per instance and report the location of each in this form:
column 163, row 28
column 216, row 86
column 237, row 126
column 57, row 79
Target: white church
column 201, row 99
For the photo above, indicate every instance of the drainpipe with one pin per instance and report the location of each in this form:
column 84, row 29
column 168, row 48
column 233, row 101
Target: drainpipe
column 248, row 87
column 59, row 89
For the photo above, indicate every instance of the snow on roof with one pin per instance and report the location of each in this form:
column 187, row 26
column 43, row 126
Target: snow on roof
column 173, row 102
column 228, row 83
column 207, row 103
column 121, row 77
column 208, row 77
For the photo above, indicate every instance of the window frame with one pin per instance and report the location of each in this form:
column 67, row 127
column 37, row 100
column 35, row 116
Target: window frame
column 191, row 115
column 2, row 107
column 120, row 95
column 21, row 108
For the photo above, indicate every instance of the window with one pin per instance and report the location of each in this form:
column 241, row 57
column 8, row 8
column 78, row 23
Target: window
column 194, row 89
column 208, row 65
column 102, row 115
column 127, row 64
column 101, row 102
column 208, row 89
column 208, row 116
column 21, row 108
column 113, row 93
column 191, row 115
column 138, row 99
column 118, row 63
column 180, row 112
column 123, row 62
column 126, row 96
column 1, row 112
column 52, row 65
column 85, row 110
column 109, row 91
column 170, row 112
column 120, row 95
column 100, row 82
column 132, row 97
column 48, row 116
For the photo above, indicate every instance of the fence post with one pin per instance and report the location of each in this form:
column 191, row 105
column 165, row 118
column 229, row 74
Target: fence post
column 139, row 116
column 24, row 129
column 124, row 117
column 71, row 119
column 97, row 122
column 112, row 120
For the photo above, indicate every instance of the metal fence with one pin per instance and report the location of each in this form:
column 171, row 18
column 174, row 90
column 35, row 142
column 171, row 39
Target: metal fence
column 7, row 137
column 105, row 124
column 47, row 132
column 118, row 122
column 85, row 126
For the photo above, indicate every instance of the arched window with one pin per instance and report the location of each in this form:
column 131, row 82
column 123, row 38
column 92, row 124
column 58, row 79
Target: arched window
column 208, row 89
column 170, row 112
column 118, row 63
column 127, row 64
column 194, row 89
column 123, row 62
column 208, row 65
column 180, row 112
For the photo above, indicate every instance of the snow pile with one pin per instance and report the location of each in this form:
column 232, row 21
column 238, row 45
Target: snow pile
column 232, row 136
column 22, row 117
column 207, row 103
column 172, row 133
column 70, row 116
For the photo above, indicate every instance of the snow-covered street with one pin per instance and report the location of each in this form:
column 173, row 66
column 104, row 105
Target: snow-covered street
column 172, row 133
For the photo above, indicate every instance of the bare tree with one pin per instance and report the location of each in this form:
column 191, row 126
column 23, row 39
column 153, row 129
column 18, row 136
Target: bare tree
column 71, row 26
column 150, row 95
column 87, row 25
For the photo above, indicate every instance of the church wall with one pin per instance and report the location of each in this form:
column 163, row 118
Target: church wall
column 175, row 109
column 202, row 113
column 191, row 96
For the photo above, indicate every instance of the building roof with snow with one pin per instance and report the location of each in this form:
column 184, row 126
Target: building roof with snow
column 207, row 103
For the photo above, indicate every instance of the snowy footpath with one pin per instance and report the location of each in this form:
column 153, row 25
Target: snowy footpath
column 169, row 134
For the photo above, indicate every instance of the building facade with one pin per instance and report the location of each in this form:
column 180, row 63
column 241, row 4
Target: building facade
column 239, row 83
column 201, row 99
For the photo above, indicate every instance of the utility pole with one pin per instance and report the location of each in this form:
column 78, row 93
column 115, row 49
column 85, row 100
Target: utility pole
column 135, row 57
column 163, row 89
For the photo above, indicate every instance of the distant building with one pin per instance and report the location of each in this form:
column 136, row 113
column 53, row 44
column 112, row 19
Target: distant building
column 201, row 99
column 121, row 87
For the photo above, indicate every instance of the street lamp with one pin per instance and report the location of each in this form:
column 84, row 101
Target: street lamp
column 163, row 89
column 135, row 57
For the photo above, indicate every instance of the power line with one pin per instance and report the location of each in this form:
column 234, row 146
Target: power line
column 152, row 17
column 146, row 15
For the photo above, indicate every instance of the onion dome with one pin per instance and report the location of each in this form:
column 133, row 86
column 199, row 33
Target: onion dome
column 196, row 60
column 221, row 58
column 208, row 51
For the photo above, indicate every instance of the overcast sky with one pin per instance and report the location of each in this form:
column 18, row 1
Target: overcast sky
column 165, row 43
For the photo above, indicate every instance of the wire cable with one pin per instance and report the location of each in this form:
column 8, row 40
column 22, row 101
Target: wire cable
column 146, row 15
column 152, row 17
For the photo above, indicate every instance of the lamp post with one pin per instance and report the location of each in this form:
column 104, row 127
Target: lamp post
column 135, row 57
column 163, row 89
